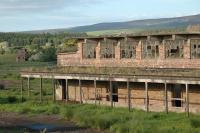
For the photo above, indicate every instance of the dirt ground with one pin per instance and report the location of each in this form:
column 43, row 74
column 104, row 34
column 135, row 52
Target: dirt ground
column 15, row 123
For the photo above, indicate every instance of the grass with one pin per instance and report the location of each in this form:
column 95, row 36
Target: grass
column 111, row 32
column 117, row 120
column 137, row 31
column 118, row 71
column 9, row 68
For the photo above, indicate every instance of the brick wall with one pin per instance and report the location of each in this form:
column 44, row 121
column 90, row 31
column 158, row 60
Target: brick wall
column 75, row 59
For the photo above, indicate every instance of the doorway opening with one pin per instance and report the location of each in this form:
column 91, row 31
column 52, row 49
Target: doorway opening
column 176, row 95
column 114, row 92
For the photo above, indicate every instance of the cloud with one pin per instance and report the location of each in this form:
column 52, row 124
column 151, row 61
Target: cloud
column 16, row 15
column 35, row 6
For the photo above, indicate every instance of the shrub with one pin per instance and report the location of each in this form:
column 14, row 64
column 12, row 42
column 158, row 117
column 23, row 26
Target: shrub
column 54, row 109
column 195, row 122
column 23, row 110
column 2, row 87
column 12, row 99
column 67, row 113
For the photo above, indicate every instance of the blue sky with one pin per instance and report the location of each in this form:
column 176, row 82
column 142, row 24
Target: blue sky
column 22, row 15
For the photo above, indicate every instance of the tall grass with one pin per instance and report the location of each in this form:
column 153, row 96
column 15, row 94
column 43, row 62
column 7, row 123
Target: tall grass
column 117, row 120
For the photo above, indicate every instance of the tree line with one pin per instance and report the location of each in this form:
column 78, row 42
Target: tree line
column 23, row 39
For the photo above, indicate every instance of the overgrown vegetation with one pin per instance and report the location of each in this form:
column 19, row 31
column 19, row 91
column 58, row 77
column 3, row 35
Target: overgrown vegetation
column 40, row 47
column 117, row 120
column 118, row 71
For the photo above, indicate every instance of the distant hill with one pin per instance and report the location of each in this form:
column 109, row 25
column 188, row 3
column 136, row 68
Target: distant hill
column 137, row 25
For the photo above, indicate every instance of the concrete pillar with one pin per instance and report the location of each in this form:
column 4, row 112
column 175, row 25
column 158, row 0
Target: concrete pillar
column 129, row 95
column 28, row 85
column 117, row 51
column 111, row 94
column 98, row 54
column 95, row 91
column 22, row 87
column 162, row 50
column 187, row 99
column 166, row 98
column 80, row 50
column 80, row 89
column 187, row 50
column 67, row 90
column 41, row 87
column 173, row 37
column 53, row 89
column 146, row 97
column 139, row 51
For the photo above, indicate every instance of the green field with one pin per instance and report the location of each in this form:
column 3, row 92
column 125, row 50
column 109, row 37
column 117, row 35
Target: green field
column 8, row 65
column 10, row 72
column 111, row 32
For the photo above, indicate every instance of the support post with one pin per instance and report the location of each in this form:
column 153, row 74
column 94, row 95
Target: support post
column 80, row 91
column 53, row 89
column 41, row 89
column 187, row 99
column 67, row 91
column 166, row 98
column 146, row 97
column 28, row 85
column 111, row 94
column 129, row 96
column 22, row 87
column 95, row 89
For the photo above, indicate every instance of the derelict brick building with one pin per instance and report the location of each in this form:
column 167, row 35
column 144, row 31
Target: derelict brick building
column 159, row 72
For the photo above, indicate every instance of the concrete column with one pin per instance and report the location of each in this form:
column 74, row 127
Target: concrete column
column 67, row 91
column 53, row 89
column 187, row 99
column 117, row 51
column 28, row 85
column 166, row 98
column 80, row 89
column 129, row 95
column 22, row 87
column 139, row 51
column 80, row 50
column 173, row 37
column 41, row 87
column 111, row 94
column 146, row 97
column 95, row 90
column 98, row 54
column 187, row 50
column 162, row 50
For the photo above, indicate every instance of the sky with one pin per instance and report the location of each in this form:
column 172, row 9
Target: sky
column 26, row 15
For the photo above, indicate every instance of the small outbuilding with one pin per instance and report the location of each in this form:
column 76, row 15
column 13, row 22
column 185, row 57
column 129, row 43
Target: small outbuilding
column 22, row 55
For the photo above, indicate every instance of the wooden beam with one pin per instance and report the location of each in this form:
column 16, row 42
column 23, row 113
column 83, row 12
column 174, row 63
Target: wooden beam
column 41, row 89
column 53, row 89
column 187, row 99
column 129, row 96
column 111, row 94
column 166, row 98
column 67, row 91
column 22, row 87
column 95, row 90
column 80, row 89
column 146, row 97
column 28, row 85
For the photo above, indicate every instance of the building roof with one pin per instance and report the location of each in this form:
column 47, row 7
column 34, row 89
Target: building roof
column 126, row 71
